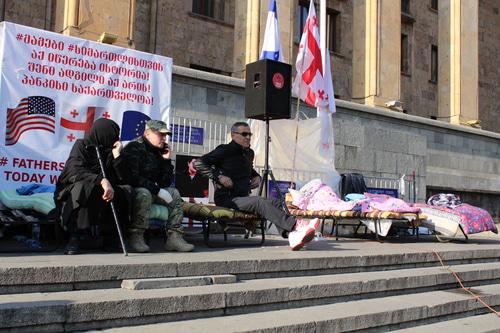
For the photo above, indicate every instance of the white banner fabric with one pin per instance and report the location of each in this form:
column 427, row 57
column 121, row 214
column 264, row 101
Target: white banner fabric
column 53, row 87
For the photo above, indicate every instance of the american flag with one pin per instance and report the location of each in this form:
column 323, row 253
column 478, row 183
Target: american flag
column 32, row 113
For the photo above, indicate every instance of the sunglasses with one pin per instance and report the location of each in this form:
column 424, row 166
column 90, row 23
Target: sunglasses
column 244, row 134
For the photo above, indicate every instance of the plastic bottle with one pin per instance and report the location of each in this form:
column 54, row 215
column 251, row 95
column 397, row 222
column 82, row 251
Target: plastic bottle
column 34, row 242
column 35, row 232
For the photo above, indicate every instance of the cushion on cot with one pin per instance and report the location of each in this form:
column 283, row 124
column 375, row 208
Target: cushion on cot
column 203, row 212
column 39, row 202
column 44, row 202
column 158, row 212
column 440, row 220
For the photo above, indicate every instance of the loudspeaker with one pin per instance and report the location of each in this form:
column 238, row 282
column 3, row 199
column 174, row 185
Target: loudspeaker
column 268, row 90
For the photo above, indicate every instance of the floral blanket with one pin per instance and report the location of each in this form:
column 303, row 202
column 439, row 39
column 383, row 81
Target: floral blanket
column 475, row 219
column 472, row 219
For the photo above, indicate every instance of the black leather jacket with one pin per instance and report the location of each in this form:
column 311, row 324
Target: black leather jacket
column 233, row 161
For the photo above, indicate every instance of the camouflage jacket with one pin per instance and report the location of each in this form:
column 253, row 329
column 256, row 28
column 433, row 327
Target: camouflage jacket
column 148, row 168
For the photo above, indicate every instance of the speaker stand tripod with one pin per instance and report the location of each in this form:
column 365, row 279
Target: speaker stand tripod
column 267, row 174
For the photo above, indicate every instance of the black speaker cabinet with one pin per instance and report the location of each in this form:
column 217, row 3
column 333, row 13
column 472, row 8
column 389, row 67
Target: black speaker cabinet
column 268, row 90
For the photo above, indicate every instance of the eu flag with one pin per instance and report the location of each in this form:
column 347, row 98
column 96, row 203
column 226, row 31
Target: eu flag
column 133, row 124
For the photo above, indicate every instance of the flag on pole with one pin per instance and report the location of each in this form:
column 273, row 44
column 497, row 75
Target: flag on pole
column 271, row 48
column 309, row 83
column 325, row 114
column 329, row 84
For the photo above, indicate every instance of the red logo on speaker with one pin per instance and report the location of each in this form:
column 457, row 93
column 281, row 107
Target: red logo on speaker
column 278, row 80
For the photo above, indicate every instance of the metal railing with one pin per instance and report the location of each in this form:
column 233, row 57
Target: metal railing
column 216, row 133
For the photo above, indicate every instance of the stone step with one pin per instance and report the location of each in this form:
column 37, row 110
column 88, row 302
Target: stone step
column 487, row 323
column 88, row 309
column 188, row 281
column 50, row 273
column 369, row 315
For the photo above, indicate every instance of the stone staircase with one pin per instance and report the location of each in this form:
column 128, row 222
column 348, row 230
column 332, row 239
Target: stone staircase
column 358, row 286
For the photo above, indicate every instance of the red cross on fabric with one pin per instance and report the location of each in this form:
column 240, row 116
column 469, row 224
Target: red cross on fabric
column 74, row 113
column 316, row 65
column 71, row 137
column 80, row 126
column 321, row 94
column 106, row 115
column 314, row 22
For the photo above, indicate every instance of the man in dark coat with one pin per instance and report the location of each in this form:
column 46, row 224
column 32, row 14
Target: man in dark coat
column 151, row 174
column 82, row 193
column 231, row 167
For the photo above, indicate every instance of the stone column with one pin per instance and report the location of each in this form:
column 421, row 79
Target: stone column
column 246, row 25
column 376, row 51
column 458, row 61
column 249, row 29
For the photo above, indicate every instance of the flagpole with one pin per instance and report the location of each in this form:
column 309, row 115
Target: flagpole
column 298, row 112
column 322, row 32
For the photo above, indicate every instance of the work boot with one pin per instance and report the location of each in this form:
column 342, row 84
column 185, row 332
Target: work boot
column 175, row 242
column 136, row 241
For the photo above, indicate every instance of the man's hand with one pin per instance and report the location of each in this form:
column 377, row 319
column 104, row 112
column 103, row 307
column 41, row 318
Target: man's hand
column 225, row 181
column 117, row 149
column 166, row 152
column 108, row 190
column 255, row 182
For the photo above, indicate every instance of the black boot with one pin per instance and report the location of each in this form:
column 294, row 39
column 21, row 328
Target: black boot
column 73, row 246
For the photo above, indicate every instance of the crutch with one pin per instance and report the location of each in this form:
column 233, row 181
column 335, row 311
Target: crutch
column 112, row 204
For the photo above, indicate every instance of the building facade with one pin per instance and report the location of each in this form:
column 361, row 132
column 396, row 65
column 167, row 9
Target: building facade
column 437, row 57
column 444, row 70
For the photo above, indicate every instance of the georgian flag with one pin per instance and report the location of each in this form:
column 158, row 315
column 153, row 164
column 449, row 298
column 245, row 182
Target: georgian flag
column 309, row 83
column 325, row 114
column 76, row 121
column 271, row 48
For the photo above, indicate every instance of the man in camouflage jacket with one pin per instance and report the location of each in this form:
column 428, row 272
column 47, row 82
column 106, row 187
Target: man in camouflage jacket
column 151, row 173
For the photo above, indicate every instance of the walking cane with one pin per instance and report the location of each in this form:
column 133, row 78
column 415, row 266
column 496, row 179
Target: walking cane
column 112, row 204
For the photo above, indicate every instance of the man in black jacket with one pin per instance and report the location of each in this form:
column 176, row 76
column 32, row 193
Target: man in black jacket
column 231, row 167
column 151, row 174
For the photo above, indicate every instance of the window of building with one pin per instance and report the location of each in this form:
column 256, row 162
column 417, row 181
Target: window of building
column 209, row 8
column 333, row 31
column 405, row 6
column 302, row 11
column 434, row 63
column 332, row 26
column 434, row 4
column 405, row 54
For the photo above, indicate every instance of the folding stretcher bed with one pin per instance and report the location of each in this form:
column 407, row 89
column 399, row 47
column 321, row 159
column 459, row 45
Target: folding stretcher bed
column 209, row 215
column 411, row 220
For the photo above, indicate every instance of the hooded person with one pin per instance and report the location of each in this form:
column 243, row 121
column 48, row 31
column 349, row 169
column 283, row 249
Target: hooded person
column 82, row 194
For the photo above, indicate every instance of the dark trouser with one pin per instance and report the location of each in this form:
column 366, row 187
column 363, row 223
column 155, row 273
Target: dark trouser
column 269, row 209
column 95, row 211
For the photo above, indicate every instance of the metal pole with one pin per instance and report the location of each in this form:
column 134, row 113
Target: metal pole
column 265, row 171
column 112, row 204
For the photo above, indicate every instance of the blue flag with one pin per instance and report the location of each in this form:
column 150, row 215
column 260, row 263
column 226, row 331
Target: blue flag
column 271, row 48
column 133, row 124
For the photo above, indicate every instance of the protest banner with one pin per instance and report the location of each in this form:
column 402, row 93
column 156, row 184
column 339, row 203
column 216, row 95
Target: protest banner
column 53, row 87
